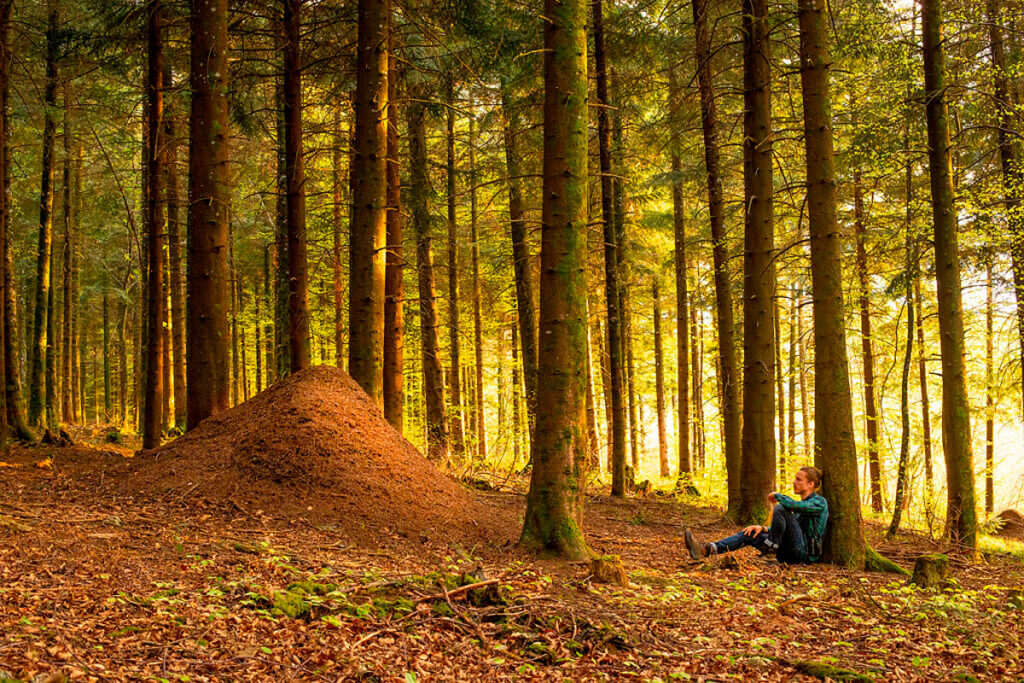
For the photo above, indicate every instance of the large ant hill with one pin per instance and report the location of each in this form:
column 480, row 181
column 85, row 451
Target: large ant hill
column 315, row 446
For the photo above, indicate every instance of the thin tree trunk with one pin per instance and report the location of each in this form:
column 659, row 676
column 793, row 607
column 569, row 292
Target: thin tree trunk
column 780, row 392
column 269, row 329
column 457, row 435
column 758, row 470
column 174, row 255
column 107, row 404
column 867, row 351
column 337, row 198
column 368, row 224
column 233, row 279
column 68, row 254
column 419, row 192
column 793, row 370
column 517, row 419
column 520, row 249
column 922, row 372
column 990, row 464
column 394, row 322
column 956, row 417
column 281, row 283
column 1010, row 164
column 728, row 369
column 207, row 381
column 659, row 382
column 478, row 326
column 152, row 420
column 554, row 504
column 37, row 360
column 615, row 406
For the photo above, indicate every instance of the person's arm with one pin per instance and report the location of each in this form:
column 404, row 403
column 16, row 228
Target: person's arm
column 813, row 505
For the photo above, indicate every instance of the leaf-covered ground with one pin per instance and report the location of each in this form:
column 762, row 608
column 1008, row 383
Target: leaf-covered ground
column 99, row 588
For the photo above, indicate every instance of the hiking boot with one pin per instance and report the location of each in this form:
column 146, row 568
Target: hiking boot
column 698, row 550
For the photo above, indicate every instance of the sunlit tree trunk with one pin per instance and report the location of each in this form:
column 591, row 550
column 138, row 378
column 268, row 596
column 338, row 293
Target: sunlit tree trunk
column 457, row 435
column 152, row 412
column 422, row 222
column 780, row 392
column 727, row 364
column 956, row 417
column 207, row 380
column 394, row 323
column 554, row 504
column 616, row 406
column 1010, row 164
column 834, row 449
column 478, row 334
column 990, row 463
column 174, row 255
column 867, row 348
column 37, row 360
column 66, row 266
column 659, row 382
column 922, row 373
column 337, row 199
column 520, row 247
column 368, row 225
column 295, row 179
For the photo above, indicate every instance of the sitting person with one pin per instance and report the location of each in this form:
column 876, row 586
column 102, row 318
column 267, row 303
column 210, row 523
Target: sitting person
column 795, row 531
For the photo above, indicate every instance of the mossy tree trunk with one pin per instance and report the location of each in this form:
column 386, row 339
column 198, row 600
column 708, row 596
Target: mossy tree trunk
column 728, row 370
column 867, row 347
column 554, row 504
column 617, row 410
column 152, row 411
column 659, row 381
column 520, row 248
column 956, row 417
column 368, row 225
column 422, row 223
column 682, row 296
column 758, row 467
column 295, row 179
column 834, row 448
column 457, row 432
column 37, row 358
column 394, row 268
column 207, row 367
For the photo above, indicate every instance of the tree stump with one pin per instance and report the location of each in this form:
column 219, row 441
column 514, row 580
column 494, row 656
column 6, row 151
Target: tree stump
column 608, row 569
column 931, row 571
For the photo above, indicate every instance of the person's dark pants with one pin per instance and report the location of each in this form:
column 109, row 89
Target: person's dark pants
column 785, row 539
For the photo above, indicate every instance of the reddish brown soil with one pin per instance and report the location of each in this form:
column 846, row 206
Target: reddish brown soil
column 315, row 447
column 1012, row 524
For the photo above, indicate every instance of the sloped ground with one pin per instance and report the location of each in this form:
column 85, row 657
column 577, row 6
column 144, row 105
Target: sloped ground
column 100, row 583
column 314, row 447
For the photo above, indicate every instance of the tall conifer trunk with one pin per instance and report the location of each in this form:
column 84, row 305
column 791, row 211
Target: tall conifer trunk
column 6, row 360
column 295, row 179
column 152, row 412
column 394, row 322
column 520, row 247
column 174, row 255
column 1010, row 163
column 457, row 434
column 727, row 364
column 478, row 334
column 834, row 449
column 867, row 347
column 337, row 198
column 554, row 504
column 758, row 467
column 659, row 382
column 368, row 225
column 37, row 359
column 956, row 417
column 617, row 409
column 207, row 380
column 419, row 192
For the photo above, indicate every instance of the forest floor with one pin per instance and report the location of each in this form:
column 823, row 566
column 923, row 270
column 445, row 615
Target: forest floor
column 98, row 585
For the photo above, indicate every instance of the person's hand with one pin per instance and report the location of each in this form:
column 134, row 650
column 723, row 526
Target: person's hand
column 753, row 530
